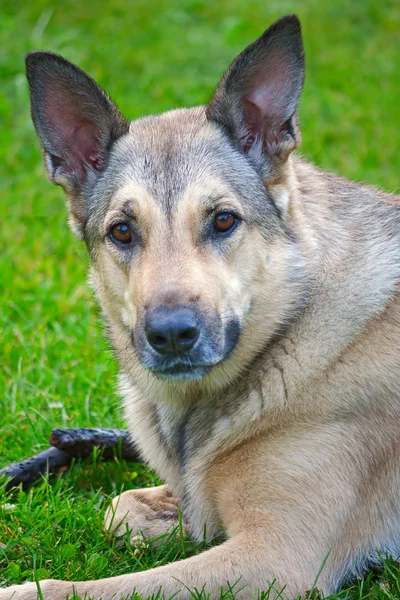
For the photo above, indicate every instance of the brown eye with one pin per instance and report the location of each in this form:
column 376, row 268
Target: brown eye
column 225, row 222
column 121, row 234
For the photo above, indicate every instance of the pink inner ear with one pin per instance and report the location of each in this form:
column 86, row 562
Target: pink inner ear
column 260, row 125
column 84, row 142
column 253, row 121
column 265, row 102
column 75, row 135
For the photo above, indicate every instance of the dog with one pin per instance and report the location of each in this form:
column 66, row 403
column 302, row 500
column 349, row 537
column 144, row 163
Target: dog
column 253, row 304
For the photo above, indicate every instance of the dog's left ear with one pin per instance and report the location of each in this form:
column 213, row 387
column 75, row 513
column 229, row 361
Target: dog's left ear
column 257, row 99
column 77, row 124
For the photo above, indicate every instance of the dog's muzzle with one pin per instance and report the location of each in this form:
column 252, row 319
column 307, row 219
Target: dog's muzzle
column 178, row 343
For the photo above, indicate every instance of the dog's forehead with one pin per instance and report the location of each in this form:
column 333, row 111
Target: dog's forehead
column 167, row 154
column 181, row 126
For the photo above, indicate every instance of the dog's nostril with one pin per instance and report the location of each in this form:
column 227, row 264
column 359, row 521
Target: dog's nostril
column 188, row 335
column 172, row 331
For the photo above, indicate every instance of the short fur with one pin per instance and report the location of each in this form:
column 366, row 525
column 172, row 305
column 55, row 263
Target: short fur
column 288, row 438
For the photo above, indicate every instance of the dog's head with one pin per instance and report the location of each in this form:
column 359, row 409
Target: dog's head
column 185, row 215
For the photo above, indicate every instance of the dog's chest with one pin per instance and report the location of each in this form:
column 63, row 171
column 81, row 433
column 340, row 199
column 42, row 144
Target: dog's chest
column 182, row 432
column 180, row 442
column 161, row 433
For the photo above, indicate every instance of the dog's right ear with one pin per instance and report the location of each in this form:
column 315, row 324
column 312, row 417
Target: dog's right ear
column 76, row 122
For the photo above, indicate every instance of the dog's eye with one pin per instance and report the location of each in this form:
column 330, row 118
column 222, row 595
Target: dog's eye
column 225, row 222
column 121, row 234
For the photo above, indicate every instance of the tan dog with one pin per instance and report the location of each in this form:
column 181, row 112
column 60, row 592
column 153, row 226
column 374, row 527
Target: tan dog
column 252, row 300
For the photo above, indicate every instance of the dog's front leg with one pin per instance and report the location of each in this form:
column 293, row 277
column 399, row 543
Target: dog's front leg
column 240, row 561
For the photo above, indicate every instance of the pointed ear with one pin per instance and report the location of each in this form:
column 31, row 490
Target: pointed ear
column 258, row 96
column 76, row 123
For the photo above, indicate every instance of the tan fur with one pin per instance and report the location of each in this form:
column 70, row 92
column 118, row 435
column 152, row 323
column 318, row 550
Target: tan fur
column 290, row 444
column 149, row 512
column 307, row 464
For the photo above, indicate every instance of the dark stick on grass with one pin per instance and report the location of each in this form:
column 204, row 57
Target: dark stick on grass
column 66, row 445
column 79, row 443
column 29, row 471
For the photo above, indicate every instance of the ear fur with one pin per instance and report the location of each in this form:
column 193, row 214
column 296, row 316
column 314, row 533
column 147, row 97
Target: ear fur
column 76, row 123
column 257, row 99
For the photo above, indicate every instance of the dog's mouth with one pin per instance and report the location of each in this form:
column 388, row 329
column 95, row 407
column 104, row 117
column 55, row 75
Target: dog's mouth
column 182, row 372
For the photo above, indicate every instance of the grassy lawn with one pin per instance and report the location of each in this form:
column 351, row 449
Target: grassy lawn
column 55, row 367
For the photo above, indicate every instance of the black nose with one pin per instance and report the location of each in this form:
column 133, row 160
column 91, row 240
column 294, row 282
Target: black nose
column 172, row 331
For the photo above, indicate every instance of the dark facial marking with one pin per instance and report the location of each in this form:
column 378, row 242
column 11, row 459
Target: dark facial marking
column 232, row 333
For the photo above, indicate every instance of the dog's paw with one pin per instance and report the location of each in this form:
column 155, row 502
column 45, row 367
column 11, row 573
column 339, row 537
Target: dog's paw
column 151, row 512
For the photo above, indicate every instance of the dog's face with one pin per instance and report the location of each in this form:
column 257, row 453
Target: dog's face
column 184, row 238
column 185, row 215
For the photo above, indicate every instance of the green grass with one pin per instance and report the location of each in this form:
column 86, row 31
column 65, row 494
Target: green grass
column 55, row 367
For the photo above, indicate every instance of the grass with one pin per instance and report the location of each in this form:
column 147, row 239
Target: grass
column 56, row 368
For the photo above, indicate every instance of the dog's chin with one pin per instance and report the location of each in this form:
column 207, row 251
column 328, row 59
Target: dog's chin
column 182, row 373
